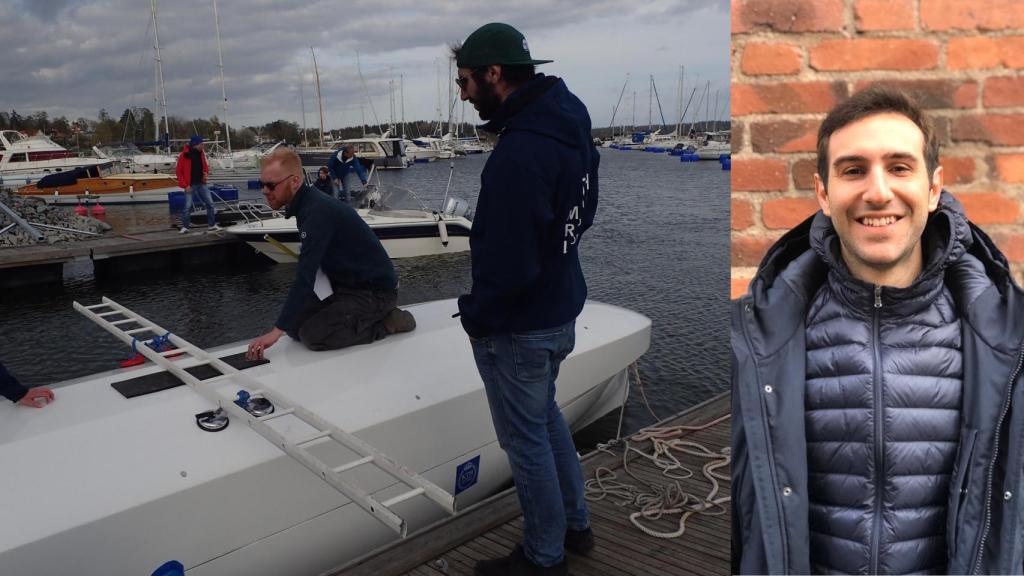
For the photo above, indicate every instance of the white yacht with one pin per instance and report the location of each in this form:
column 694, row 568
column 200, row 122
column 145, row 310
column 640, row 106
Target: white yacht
column 100, row 483
column 135, row 160
column 25, row 159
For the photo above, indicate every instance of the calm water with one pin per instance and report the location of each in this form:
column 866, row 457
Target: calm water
column 659, row 246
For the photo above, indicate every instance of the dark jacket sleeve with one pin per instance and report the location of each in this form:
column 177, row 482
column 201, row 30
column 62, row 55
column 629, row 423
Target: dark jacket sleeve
column 334, row 167
column 317, row 237
column 10, row 388
column 507, row 260
column 738, row 466
column 590, row 198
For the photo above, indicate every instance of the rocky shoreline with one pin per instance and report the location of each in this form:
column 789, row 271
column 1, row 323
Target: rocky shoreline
column 35, row 210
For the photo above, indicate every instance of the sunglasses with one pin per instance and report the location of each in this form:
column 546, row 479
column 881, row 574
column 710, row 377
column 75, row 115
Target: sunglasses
column 271, row 185
column 462, row 82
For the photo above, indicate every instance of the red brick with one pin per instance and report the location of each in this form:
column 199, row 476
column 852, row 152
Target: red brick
column 748, row 250
column 989, row 208
column 770, row 58
column 1010, row 168
column 786, row 213
column 784, row 136
column 1011, row 245
column 874, row 15
column 957, row 170
column 738, row 286
column 932, row 94
column 803, row 173
column 786, row 98
column 1004, row 91
column 985, row 52
column 972, row 14
column 758, row 174
column 787, row 15
column 874, row 54
column 995, row 129
column 741, row 214
column 736, row 140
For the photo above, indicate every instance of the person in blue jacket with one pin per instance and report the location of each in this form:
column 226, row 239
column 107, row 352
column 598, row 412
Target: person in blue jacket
column 14, row 391
column 341, row 166
column 877, row 378
column 538, row 195
column 335, row 239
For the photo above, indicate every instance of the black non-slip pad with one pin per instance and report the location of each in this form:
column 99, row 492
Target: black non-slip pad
column 150, row 383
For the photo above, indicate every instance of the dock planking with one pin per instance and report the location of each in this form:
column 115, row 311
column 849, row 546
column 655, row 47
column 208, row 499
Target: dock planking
column 493, row 527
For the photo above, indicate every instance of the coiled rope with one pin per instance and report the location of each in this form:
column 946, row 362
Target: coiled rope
column 653, row 501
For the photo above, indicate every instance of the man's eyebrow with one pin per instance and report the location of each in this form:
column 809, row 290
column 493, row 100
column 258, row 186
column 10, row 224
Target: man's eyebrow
column 855, row 158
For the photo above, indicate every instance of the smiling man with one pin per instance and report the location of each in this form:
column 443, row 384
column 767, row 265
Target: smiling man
column 876, row 359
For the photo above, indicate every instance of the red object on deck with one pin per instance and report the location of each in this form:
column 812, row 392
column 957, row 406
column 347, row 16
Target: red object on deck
column 80, row 210
column 99, row 212
column 135, row 361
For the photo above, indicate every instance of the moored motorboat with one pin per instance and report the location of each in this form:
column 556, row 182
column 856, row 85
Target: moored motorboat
column 403, row 233
column 127, row 484
column 69, row 188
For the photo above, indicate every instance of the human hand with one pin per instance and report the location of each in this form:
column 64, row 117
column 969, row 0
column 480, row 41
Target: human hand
column 259, row 345
column 37, row 397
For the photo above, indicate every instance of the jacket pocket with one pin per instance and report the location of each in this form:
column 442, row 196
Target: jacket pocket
column 958, row 486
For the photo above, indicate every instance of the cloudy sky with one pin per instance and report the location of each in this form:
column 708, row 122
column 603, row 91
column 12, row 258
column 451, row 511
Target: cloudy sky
column 73, row 57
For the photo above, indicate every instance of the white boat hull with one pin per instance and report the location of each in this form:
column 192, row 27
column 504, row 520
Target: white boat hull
column 126, row 485
column 409, row 237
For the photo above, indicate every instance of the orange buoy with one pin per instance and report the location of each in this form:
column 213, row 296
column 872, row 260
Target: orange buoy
column 80, row 210
column 98, row 211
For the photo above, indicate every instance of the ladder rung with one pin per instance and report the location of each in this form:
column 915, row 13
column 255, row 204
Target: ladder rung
column 276, row 414
column 95, row 306
column 137, row 330
column 125, row 321
column 312, row 438
column 403, row 497
column 111, row 313
column 167, row 353
column 353, row 464
column 217, row 379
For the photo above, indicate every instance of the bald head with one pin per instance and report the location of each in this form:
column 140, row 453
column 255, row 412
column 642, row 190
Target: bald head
column 282, row 176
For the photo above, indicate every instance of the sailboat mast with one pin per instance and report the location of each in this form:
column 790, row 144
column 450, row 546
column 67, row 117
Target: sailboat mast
column 160, row 76
column 401, row 91
column 319, row 100
column 650, row 105
column 302, row 106
column 223, row 91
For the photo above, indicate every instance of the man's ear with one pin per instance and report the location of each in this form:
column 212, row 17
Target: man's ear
column 935, row 190
column 821, row 194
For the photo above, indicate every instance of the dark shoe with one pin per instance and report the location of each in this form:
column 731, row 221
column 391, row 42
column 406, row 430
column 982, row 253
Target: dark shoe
column 579, row 542
column 399, row 320
column 517, row 564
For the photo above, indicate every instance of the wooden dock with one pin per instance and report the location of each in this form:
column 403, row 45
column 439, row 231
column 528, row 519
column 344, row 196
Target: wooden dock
column 493, row 527
column 118, row 253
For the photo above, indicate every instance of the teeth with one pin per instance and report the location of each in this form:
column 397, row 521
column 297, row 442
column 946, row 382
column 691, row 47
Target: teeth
column 877, row 222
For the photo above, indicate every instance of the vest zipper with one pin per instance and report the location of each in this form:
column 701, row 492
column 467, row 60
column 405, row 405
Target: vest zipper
column 980, row 552
column 876, row 527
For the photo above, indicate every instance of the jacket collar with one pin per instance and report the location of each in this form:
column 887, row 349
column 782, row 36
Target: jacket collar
column 518, row 100
column 295, row 206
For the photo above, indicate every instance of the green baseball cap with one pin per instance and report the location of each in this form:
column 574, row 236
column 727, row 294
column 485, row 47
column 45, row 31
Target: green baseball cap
column 495, row 43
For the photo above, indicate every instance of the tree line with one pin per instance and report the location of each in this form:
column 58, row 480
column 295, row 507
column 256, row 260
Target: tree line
column 139, row 125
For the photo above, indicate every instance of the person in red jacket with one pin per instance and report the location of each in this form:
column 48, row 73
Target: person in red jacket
column 191, row 171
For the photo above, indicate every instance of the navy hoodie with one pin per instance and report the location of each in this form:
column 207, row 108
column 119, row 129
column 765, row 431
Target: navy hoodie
column 538, row 194
column 336, row 239
column 10, row 388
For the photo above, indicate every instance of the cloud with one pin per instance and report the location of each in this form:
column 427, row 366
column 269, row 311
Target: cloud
column 75, row 57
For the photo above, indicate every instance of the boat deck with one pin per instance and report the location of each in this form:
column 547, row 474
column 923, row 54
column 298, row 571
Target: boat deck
column 491, row 528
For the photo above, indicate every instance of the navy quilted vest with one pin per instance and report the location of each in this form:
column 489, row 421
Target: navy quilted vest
column 883, row 398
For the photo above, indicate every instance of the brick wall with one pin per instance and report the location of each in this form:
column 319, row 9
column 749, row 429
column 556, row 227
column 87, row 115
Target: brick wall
column 792, row 60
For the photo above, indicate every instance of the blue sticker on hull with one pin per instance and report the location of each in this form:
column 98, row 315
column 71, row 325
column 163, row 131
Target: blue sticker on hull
column 466, row 474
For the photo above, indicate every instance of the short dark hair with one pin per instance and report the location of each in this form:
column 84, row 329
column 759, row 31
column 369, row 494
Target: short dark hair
column 868, row 102
column 514, row 76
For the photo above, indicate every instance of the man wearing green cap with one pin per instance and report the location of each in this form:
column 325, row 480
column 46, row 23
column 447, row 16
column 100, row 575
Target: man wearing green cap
column 538, row 195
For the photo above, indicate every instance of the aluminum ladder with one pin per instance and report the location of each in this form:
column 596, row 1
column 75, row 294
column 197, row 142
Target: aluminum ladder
column 125, row 324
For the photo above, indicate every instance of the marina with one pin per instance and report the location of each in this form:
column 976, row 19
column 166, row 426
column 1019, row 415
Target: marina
column 164, row 444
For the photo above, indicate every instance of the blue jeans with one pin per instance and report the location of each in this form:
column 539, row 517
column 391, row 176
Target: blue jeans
column 519, row 372
column 204, row 196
